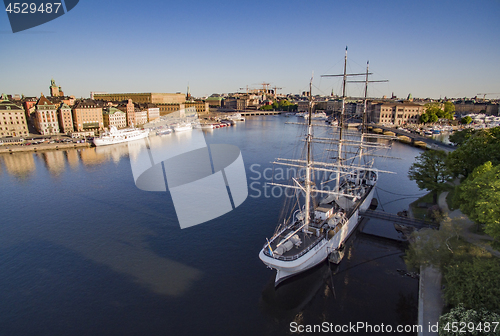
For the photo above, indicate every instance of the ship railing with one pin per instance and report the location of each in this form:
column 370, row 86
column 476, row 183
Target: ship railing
column 296, row 256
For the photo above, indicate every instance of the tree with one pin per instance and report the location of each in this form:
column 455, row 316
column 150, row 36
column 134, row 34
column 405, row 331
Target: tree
column 478, row 197
column 430, row 172
column 460, row 137
column 424, row 118
column 429, row 247
column 433, row 118
column 449, row 110
column 480, row 147
column 474, row 284
column 474, row 320
column 466, row 120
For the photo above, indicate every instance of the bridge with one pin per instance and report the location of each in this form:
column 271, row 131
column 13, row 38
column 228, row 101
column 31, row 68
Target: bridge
column 434, row 144
column 258, row 113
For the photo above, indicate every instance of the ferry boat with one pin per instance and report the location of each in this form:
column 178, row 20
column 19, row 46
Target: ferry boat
column 314, row 228
column 183, row 128
column 115, row 136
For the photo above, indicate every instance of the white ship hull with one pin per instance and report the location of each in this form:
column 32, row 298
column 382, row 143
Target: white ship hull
column 288, row 268
column 183, row 128
column 121, row 137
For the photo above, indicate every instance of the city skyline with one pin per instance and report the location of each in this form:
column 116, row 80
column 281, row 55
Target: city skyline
column 429, row 49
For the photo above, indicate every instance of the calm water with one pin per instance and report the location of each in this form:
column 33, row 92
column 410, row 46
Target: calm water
column 84, row 252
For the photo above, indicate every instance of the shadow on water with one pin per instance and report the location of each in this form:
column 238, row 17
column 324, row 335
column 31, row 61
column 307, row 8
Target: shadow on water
column 294, row 294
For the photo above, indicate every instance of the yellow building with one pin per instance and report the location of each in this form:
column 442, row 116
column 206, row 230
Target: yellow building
column 200, row 105
column 12, row 119
column 396, row 113
column 149, row 97
column 115, row 117
column 87, row 116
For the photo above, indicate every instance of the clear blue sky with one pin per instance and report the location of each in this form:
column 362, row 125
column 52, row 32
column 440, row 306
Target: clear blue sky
column 429, row 48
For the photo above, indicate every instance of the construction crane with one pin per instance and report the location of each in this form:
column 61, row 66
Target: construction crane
column 265, row 87
column 485, row 94
column 275, row 89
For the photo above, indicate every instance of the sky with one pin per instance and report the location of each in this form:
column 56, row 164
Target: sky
column 429, row 48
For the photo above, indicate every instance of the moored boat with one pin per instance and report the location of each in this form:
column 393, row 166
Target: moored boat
column 115, row 136
column 317, row 221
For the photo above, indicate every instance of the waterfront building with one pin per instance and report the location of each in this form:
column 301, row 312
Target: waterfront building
column 395, row 113
column 114, row 117
column 303, row 106
column 153, row 112
column 215, row 101
column 12, row 119
column 128, row 107
column 169, row 108
column 87, row 116
column 464, row 107
column 141, row 116
column 201, row 106
column 154, row 98
column 45, row 118
column 237, row 103
column 65, row 118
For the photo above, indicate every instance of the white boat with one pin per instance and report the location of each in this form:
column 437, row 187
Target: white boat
column 207, row 126
column 115, row 136
column 317, row 115
column 183, row 128
column 314, row 228
column 164, row 131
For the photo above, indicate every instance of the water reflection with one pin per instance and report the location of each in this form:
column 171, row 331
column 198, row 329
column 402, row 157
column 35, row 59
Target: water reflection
column 90, row 157
column 73, row 158
column 98, row 223
column 288, row 299
column 54, row 161
column 20, row 165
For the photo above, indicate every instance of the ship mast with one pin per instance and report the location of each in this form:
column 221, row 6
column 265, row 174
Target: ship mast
column 309, row 159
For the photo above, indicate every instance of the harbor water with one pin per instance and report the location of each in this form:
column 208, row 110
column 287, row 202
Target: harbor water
column 83, row 251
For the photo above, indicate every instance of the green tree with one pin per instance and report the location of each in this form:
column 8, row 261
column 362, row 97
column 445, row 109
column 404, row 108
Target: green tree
column 479, row 197
column 433, row 108
column 480, row 147
column 430, row 172
column 429, row 247
column 474, row 284
column 449, row 110
column 466, row 120
column 424, row 118
column 460, row 137
column 474, row 320
column 433, row 118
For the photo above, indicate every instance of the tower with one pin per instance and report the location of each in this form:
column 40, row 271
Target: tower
column 54, row 89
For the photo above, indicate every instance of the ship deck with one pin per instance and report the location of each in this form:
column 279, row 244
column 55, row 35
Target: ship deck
column 317, row 231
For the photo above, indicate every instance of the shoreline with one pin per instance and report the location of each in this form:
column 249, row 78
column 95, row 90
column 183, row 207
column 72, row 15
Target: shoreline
column 10, row 149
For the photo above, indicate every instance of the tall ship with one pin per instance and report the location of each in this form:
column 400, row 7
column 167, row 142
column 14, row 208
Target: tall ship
column 324, row 211
column 116, row 136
